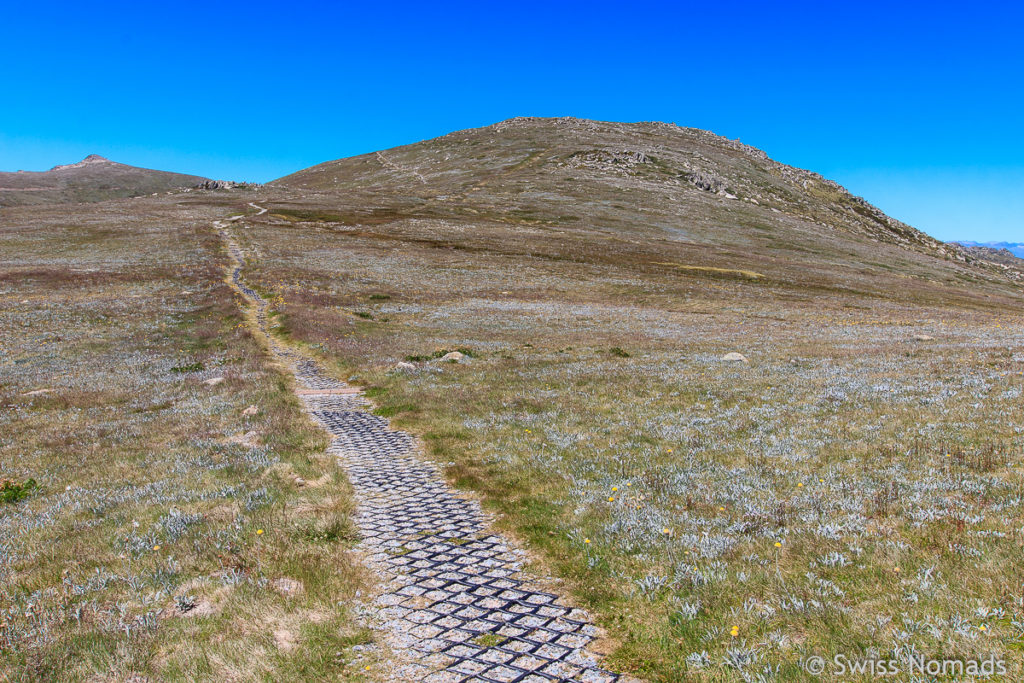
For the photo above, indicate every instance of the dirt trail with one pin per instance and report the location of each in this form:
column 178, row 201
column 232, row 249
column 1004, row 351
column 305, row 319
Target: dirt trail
column 455, row 605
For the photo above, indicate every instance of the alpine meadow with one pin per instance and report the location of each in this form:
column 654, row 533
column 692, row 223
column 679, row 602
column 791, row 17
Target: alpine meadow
column 549, row 400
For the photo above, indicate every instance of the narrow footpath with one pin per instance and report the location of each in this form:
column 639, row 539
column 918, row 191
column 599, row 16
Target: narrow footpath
column 455, row 605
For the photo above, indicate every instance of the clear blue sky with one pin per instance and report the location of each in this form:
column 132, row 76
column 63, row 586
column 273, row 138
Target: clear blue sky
column 917, row 107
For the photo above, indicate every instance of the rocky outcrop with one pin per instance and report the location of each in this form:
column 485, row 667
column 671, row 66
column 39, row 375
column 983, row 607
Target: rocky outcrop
column 708, row 182
column 222, row 185
column 91, row 159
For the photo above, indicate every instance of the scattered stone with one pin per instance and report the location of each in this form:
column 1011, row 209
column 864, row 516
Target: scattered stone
column 454, row 356
column 284, row 639
column 213, row 381
column 250, row 439
column 251, row 410
column 37, row 392
column 405, row 367
column 601, row 158
column 923, row 337
column 287, row 587
column 204, row 608
column 735, row 358
column 223, row 185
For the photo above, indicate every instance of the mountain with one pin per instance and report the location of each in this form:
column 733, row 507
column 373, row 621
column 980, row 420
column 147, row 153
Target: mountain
column 669, row 197
column 1015, row 248
column 91, row 179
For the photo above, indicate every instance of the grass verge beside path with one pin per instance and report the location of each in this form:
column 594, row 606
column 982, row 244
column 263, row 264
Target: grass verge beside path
column 854, row 489
column 172, row 532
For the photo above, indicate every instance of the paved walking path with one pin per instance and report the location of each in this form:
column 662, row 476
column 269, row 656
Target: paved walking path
column 455, row 604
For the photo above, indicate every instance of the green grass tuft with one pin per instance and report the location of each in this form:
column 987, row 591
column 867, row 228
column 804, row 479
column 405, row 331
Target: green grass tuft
column 12, row 492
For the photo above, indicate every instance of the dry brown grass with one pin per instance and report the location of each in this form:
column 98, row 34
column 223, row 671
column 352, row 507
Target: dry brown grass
column 657, row 482
column 850, row 490
column 156, row 545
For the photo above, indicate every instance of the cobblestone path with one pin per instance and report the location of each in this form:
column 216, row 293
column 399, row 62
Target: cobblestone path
column 455, row 604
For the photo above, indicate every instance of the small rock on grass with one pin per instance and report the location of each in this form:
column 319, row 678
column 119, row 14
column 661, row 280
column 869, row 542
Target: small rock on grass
column 250, row 439
column 286, row 586
column 213, row 381
column 735, row 358
column 405, row 367
column 251, row 410
column 923, row 337
column 284, row 639
column 454, row 356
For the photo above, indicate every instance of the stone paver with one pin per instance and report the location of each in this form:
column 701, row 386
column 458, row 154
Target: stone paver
column 455, row 598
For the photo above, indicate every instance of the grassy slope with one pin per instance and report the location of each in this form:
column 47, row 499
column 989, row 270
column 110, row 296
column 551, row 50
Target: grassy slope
column 140, row 553
column 887, row 470
column 88, row 183
column 596, row 296
column 558, row 188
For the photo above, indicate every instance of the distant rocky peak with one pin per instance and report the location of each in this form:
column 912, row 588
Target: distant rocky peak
column 91, row 159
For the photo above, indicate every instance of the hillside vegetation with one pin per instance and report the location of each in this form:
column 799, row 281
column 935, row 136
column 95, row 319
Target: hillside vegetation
column 167, row 511
column 93, row 179
column 853, row 488
column 852, row 485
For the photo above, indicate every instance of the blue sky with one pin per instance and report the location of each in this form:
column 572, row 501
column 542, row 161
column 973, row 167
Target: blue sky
column 916, row 107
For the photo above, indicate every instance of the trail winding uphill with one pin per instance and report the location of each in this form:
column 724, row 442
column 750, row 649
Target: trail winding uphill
column 455, row 605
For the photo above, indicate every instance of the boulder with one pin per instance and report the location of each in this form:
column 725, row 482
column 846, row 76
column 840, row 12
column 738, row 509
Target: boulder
column 708, row 182
column 735, row 358
column 453, row 356
column 405, row 367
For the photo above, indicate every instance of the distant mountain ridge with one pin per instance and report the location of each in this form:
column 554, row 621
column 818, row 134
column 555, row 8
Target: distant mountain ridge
column 92, row 179
column 1015, row 248
column 91, row 159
